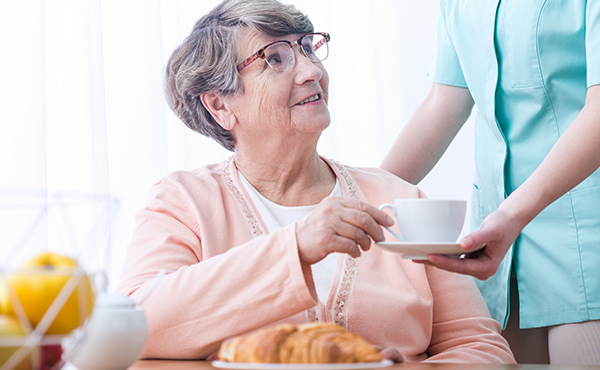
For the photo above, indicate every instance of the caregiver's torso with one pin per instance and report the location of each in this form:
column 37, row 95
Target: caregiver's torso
column 527, row 65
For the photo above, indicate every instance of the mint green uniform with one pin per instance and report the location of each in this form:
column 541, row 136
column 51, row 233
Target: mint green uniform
column 528, row 64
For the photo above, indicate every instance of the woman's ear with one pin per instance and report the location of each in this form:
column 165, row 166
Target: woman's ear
column 216, row 105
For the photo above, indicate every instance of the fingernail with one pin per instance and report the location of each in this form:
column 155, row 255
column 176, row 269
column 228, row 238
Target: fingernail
column 389, row 221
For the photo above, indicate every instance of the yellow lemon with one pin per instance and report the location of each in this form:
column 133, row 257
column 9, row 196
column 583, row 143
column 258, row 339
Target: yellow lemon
column 36, row 285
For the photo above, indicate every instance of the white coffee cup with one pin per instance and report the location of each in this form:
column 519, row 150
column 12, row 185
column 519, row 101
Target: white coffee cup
column 428, row 220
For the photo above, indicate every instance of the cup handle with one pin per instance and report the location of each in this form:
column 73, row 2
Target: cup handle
column 390, row 206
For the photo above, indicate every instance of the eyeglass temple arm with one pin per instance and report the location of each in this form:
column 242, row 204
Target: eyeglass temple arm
column 323, row 41
column 250, row 59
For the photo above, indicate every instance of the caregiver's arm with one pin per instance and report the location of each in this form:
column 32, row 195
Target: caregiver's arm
column 429, row 132
column 572, row 159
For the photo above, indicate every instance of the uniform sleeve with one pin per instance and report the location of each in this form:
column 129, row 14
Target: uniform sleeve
column 463, row 330
column 592, row 42
column 204, row 299
column 446, row 67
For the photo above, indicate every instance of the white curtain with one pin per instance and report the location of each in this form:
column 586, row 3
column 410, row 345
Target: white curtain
column 85, row 130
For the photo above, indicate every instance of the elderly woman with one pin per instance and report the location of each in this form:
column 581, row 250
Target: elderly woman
column 277, row 233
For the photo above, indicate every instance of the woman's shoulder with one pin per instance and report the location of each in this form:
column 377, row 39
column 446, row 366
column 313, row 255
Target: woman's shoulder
column 202, row 180
column 375, row 174
column 207, row 173
column 380, row 183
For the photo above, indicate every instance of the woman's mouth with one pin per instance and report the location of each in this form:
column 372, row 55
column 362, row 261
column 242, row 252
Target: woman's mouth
column 310, row 99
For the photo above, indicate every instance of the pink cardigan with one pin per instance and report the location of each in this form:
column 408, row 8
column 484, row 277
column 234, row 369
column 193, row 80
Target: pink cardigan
column 226, row 276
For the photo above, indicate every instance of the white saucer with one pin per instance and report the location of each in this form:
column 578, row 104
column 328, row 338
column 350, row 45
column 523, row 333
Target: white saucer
column 420, row 250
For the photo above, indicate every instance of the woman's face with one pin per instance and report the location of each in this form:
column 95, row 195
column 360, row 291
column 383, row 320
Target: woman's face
column 279, row 105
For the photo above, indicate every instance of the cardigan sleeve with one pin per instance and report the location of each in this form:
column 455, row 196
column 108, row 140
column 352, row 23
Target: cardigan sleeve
column 211, row 292
column 463, row 330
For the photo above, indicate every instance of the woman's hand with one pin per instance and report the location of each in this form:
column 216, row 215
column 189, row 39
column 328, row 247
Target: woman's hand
column 339, row 225
column 497, row 233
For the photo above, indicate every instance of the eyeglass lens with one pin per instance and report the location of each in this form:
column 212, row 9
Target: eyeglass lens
column 280, row 56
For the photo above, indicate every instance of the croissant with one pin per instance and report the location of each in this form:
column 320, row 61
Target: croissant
column 304, row 343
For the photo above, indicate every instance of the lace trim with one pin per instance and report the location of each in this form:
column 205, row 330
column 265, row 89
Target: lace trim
column 340, row 308
column 251, row 221
column 349, row 181
column 312, row 314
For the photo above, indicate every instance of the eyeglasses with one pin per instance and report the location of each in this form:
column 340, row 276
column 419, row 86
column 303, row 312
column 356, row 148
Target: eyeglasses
column 279, row 55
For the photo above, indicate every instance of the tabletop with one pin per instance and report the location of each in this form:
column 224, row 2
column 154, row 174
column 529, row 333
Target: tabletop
column 205, row 365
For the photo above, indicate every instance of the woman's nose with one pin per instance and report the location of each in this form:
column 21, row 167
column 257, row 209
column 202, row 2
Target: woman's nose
column 306, row 69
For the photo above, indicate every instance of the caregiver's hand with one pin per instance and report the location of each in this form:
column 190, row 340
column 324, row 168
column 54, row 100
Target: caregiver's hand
column 339, row 225
column 497, row 233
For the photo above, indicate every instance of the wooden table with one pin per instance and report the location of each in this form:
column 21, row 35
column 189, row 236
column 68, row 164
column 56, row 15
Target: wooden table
column 206, row 365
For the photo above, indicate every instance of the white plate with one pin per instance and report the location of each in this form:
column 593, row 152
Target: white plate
column 343, row 366
column 420, row 250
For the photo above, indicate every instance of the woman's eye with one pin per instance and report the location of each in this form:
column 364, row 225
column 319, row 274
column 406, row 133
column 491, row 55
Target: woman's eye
column 274, row 59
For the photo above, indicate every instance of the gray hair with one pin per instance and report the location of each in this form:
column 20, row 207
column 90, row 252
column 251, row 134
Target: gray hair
column 207, row 59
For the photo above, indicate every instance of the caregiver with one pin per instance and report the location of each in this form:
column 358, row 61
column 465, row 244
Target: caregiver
column 532, row 68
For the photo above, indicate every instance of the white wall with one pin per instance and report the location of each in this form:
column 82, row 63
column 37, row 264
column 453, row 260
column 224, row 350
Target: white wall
column 82, row 110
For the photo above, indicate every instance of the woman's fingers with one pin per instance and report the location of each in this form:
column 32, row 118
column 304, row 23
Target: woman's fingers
column 316, row 241
column 340, row 225
column 356, row 220
column 379, row 216
column 366, row 221
column 342, row 244
column 354, row 234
